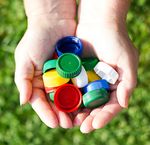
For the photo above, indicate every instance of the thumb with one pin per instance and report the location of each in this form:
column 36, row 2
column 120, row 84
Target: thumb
column 126, row 86
column 24, row 73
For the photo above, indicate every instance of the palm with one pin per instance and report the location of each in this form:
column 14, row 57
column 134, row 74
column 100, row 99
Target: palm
column 115, row 49
column 34, row 49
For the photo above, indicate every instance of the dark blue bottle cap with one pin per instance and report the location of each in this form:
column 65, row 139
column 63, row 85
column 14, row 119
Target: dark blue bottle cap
column 99, row 84
column 69, row 44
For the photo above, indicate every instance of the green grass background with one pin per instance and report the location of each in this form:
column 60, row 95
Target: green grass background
column 21, row 126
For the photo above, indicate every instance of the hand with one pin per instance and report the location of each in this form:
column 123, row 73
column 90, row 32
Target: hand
column 111, row 44
column 37, row 46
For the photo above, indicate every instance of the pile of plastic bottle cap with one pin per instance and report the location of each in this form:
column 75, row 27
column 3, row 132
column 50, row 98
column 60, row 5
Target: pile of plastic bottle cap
column 72, row 81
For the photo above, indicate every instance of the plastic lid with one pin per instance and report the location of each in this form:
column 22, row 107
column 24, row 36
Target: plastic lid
column 52, row 79
column 69, row 44
column 55, row 56
column 96, row 85
column 50, row 64
column 95, row 98
column 68, row 98
column 106, row 72
column 81, row 80
column 51, row 96
column 89, row 63
column 92, row 76
column 68, row 65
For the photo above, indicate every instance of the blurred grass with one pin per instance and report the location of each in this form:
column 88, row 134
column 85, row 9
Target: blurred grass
column 21, row 126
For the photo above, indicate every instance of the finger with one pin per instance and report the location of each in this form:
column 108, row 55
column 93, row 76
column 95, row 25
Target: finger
column 124, row 90
column 123, row 94
column 37, row 81
column 74, row 114
column 109, row 111
column 23, row 79
column 80, row 117
column 63, row 118
column 86, row 126
column 126, row 85
column 24, row 71
column 95, row 111
column 43, row 109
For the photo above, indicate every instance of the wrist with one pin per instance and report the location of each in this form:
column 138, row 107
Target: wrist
column 45, row 26
column 104, row 11
column 62, row 9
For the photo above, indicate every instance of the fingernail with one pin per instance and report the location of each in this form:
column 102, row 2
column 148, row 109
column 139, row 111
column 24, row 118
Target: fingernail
column 22, row 102
column 126, row 103
column 85, row 129
column 53, row 125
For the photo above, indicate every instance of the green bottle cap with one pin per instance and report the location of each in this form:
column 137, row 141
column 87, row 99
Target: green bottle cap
column 68, row 65
column 89, row 63
column 50, row 64
column 95, row 98
column 51, row 96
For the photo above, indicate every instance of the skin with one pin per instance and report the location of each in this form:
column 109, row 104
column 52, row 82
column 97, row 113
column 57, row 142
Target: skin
column 102, row 28
column 45, row 27
column 104, row 34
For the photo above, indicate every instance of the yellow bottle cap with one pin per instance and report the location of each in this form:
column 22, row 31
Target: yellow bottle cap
column 53, row 79
column 92, row 76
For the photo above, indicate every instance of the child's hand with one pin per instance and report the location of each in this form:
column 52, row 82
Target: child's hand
column 108, row 40
column 36, row 46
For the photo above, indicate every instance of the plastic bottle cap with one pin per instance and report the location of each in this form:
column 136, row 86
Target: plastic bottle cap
column 96, row 85
column 89, row 63
column 68, row 65
column 51, row 96
column 106, row 72
column 68, row 98
column 92, row 76
column 55, row 56
column 69, row 44
column 95, row 98
column 81, row 80
column 52, row 79
column 48, row 65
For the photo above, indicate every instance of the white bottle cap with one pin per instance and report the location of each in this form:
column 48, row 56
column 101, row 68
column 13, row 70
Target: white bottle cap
column 106, row 72
column 81, row 80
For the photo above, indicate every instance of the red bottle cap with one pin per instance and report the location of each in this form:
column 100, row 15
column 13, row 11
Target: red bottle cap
column 55, row 56
column 68, row 98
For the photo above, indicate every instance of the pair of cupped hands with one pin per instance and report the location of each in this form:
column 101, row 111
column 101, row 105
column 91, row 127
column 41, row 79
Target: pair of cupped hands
column 107, row 40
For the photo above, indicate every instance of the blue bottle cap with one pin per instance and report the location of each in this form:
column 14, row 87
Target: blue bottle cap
column 69, row 44
column 99, row 84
